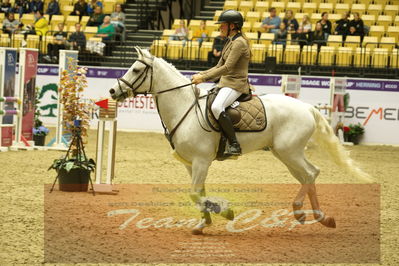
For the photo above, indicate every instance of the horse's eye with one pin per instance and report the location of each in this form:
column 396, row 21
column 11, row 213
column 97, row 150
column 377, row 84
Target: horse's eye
column 136, row 70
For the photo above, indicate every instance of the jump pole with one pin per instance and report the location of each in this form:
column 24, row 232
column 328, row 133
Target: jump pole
column 107, row 115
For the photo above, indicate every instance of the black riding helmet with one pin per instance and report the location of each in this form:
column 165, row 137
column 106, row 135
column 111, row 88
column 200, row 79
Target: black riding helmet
column 231, row 16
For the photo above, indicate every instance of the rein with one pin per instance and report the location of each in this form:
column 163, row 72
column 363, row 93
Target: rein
column 168, row 134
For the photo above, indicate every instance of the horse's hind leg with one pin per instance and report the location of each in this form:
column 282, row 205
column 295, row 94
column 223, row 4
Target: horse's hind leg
column 306, row 173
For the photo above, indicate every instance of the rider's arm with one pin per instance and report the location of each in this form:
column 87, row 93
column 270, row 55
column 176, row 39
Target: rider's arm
column 239, row 48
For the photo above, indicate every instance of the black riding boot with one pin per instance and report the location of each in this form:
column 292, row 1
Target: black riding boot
column 227, row 127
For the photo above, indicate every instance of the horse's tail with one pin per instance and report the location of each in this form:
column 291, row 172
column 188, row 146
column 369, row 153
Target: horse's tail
column 326, row 139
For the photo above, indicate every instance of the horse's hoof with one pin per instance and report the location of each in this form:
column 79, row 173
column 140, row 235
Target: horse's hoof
column 197, row 231
column 300, row 216
column 329, row 222
column 228, row 214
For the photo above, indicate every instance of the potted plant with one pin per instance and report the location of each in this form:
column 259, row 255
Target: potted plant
column 73, row 169
column 353, row 133
column 39, row 131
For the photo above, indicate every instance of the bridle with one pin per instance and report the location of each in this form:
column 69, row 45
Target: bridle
column 142, row 78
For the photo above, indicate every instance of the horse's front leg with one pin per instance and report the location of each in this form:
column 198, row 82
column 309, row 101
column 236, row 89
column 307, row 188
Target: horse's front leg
column 199, row 171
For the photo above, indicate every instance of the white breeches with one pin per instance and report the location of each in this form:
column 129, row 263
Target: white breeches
column 225, row 97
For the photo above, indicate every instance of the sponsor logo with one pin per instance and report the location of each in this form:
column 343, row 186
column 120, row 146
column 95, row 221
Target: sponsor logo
column 367, row 113
column 42, row 70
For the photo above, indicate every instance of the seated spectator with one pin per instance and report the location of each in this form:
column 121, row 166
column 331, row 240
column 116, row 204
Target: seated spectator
column 91, row 6
column 5, row 6
column 319, row 37
column 181, row 33
column 118, row 20
column 21, row 7
column 40, row 26
column 281, row 35
column 300, row 37
column 306, row 25
column 271, row 23
column 353, row 32
column 97, row 18
column 325, row 23
column 78, row 38
column 202, row 33
column 36, row 5
column 342, row 27
column 218, row 44
column 11, row 25
column 53, row 8
column 357, row 22
column 80, row 9
column 290, row 22
column 106, row 31
column 58, row 44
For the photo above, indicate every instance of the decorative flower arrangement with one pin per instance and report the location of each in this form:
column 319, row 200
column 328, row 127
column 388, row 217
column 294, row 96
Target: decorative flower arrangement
column 73, row 169
column 353, row 132
column 39, row 131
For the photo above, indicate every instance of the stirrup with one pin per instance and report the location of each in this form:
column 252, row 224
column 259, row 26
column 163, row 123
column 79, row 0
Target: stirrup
column 233, row 149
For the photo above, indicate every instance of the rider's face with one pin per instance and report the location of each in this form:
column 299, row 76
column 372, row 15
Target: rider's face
column 224, row 29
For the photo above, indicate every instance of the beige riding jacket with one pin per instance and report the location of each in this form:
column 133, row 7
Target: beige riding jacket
column 232, row 68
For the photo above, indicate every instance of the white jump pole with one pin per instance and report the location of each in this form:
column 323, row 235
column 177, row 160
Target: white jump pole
column 106, row 116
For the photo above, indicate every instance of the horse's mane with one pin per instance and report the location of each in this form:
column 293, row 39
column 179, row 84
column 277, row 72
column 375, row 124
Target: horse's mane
column 171, row 67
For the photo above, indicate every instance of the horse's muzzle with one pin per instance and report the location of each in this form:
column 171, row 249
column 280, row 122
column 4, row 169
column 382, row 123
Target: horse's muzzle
column 112, row 92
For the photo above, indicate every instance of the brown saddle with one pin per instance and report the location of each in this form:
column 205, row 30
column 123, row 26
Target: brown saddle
column 248, row 116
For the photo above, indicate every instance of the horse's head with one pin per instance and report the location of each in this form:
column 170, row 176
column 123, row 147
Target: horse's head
column 138, row 79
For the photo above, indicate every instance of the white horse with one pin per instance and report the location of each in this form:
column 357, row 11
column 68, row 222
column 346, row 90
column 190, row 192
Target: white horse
column 291, row 123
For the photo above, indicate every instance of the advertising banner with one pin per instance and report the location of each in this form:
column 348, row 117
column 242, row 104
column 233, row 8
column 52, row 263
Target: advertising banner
column 29, row 84
column 8, row 90
column 373, row 103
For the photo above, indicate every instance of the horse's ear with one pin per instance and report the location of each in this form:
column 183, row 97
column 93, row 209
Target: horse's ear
column 139, row 52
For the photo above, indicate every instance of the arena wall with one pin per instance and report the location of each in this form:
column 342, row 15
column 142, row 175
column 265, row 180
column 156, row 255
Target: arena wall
column 373, row 103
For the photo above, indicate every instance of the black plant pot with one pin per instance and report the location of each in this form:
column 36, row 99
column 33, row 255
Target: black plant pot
column 39, row 140
column 74, row 181
column 355, row 139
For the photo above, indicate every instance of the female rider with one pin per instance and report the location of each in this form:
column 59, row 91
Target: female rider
column 232, row 73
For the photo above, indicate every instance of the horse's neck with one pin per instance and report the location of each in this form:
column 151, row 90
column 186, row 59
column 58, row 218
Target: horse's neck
column 173, row 104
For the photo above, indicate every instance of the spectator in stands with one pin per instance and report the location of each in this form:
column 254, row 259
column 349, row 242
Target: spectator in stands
column 342, row 27
column 106, row 31
column 325, row 23
column 118, row 20
column 5, row 6
column 58, row 44
column 202, row 33
column 181, row 33
column 357, row 22
column 40, row 26
column 300, row 37
column 21, row 7
column 36, row 5
column 281, row 35
column 319, row 37
column 80, row 9
column 97, row 18
column 93, row 4
column 305, row 25
column 353, row 31
column 78, row 38
column 218, row 44
column 53, row 8
column 272, row 23
column 11, row 25
column 290, row 22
